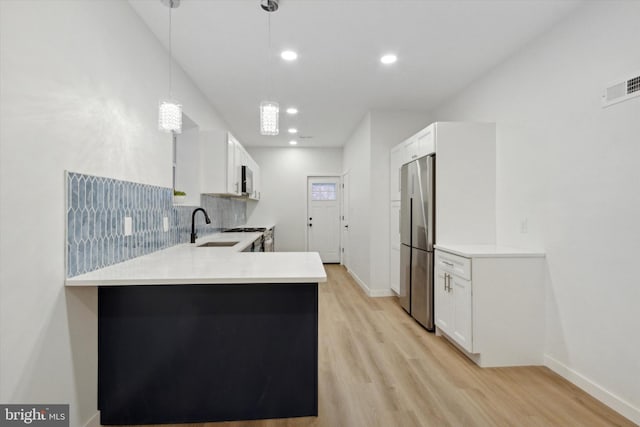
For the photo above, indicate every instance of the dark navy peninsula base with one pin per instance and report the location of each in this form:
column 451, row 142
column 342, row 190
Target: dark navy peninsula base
column 197, row 353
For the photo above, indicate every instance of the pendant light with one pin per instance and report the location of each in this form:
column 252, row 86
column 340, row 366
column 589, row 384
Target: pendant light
column 269, row 110
column 170, row 111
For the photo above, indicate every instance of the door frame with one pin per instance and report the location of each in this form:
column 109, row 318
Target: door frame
column 306, row 209
column 344, row 208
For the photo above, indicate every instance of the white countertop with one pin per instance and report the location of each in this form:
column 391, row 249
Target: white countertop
column 190, row 264
column 479, row 251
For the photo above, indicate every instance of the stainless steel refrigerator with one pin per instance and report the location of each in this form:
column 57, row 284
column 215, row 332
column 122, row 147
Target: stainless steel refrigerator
column 417, row 236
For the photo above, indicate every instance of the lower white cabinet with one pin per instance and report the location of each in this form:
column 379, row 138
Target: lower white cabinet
column 452, row 293
column 489, row 302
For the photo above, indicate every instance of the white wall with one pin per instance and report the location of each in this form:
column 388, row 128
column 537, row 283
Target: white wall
column 570, row 169
column 366, row 157
column 283, row 201
column 357, row 162
column 388, row 129
column 80, row 83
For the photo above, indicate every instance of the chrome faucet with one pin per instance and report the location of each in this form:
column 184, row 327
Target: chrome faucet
column 193, row 223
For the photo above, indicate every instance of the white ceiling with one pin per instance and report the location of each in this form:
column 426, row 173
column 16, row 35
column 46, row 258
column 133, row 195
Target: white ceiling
column 442, row 46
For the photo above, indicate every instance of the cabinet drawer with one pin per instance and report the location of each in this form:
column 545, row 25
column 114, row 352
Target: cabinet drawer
column 454, row 264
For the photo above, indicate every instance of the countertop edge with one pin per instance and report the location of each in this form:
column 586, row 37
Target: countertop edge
column 169, row 282
column 498, row 252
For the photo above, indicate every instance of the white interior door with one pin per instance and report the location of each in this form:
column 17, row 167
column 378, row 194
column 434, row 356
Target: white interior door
column 344, row 242
column 323, row 217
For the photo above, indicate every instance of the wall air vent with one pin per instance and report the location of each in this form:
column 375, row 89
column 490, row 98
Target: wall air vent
column 621, row 91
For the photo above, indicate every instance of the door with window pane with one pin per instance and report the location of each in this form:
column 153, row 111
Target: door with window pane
column 323, row 217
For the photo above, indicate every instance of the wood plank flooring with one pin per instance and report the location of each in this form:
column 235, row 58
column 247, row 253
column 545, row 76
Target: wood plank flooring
column 378, row 367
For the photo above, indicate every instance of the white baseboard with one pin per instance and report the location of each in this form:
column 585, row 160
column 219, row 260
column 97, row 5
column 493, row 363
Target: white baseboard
column 94, row 421
column 355, row 277
column 605, row 396
column 372, row 293
column 381, row 293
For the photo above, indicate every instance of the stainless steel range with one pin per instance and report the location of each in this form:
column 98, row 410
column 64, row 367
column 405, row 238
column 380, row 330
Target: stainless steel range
column 262, row 244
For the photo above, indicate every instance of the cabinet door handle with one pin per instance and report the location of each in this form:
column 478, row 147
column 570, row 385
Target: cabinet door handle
column 450, row 264
column 237, row 187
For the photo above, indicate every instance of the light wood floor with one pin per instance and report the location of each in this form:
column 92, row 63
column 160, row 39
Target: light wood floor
column 377, row 367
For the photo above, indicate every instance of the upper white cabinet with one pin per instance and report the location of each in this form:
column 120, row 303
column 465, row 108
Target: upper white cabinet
column 255, row 169
column 490, row 302
column 395, row 163
column 217, row 163
column 414, row 147
column 425, row 141
column 221, row 161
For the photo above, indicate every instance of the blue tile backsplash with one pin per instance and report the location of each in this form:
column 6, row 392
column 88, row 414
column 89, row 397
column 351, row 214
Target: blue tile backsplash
column 97, row 206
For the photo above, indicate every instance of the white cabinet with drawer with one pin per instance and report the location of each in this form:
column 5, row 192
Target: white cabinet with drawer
column 489, row 301
column 452, row 293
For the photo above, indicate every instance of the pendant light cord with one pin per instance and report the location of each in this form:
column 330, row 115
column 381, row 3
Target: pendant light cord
column 170, row 54
column 269, row 73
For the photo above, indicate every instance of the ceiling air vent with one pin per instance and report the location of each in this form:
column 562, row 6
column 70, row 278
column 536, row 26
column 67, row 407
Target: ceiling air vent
column 621, row 91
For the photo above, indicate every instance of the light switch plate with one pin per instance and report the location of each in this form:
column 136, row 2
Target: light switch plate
column 128, row 226
column 524, row 226
column 165, row 224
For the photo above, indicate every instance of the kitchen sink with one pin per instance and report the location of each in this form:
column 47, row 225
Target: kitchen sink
column 217, row 244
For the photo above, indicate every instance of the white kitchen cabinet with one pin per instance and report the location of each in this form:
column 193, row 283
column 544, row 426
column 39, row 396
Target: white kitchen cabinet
column 394, row 238
column 425, row 141
column 255, row 169
column 221, row 161
column 218, row 174
column 257, row 182
column 419, row 145
column 465, row 183
column 410, row 149
column 489, row 301
column 452, row 293
column 395, row 163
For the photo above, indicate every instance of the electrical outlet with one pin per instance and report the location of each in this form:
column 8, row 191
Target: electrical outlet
column 128, row 226
column 165, row 224
column 524, row 226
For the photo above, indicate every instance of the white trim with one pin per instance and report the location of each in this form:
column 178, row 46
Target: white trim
column 306, row 232
column 355, row 277
column 94, row 421
column 616, row 403
column 376, row 293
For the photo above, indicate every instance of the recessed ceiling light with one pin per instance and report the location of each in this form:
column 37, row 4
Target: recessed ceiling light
column 293, row 142
column 292, row 110
column 388, row 59
column 289, row 55
column 293, row 130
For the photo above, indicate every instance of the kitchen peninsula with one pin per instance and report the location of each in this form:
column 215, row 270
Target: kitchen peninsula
column 207, row 333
